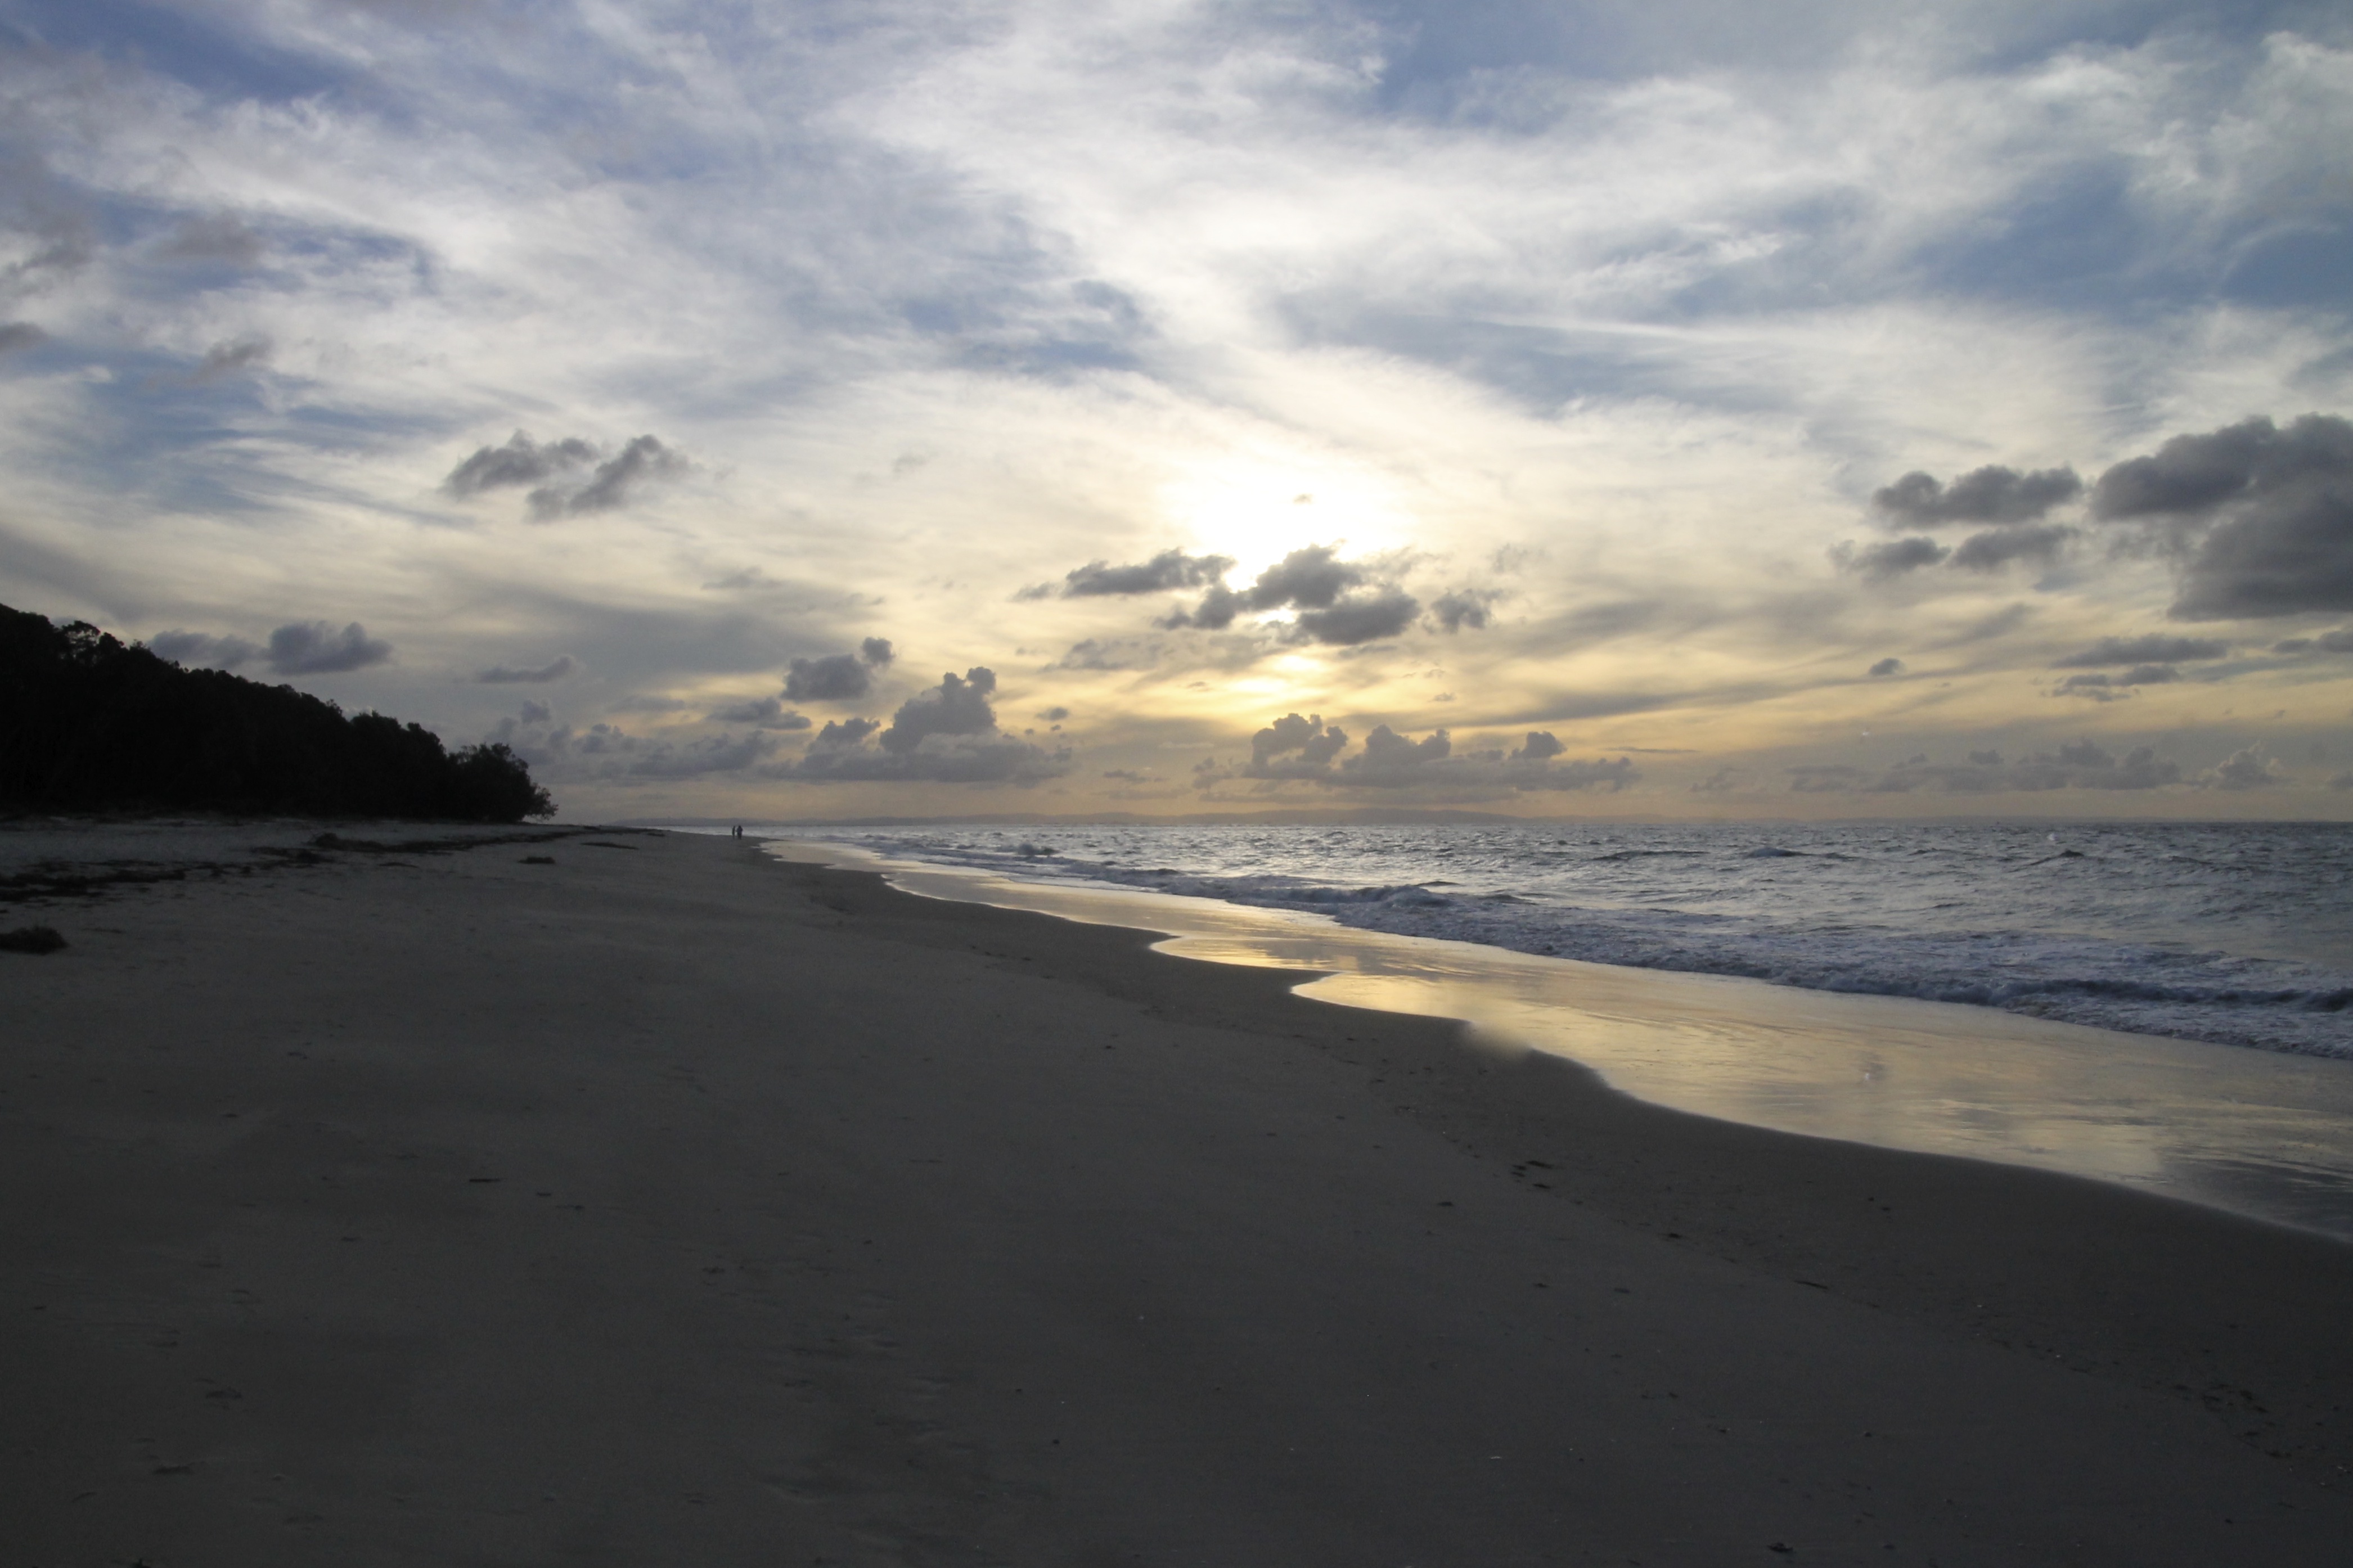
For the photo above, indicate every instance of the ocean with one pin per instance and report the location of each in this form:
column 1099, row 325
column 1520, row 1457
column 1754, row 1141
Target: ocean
column 2236, row 934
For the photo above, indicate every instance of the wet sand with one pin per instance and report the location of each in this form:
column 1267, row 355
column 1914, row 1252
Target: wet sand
column 667, row 1203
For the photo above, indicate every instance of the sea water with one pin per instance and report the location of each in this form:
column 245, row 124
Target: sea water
column 2233, row 933
column 2161, row 1007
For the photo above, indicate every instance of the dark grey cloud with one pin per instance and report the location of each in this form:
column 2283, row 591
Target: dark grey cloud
column 647, row 703
column 529, row 675
column 1390, row 761
column 1311, row 578
column 1055, row 714
column 838, row 678
column 2259, row 518
column 1273, row 749
column 1463, row 607
column 2153, row 648
column 1998, row 547
column 1353, row 621
column 760, row 712
column 1169, row 569
column 617, row 481
column 1540, row 745
column 944, row 734
column 1883, row 563
column 522, row 461
column 2108, row 687
column 200, row 650
column 2084, row 764
column 1889, row 666
column 17, row 336
column 235, row 354
column 1991, row 494
column 2337, row 641
column 314, row 647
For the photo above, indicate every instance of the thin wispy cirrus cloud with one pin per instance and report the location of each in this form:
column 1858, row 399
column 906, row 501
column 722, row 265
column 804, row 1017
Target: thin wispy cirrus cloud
column 1456, row 376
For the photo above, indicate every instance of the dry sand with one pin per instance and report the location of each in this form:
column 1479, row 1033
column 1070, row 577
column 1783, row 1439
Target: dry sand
column 667, row 1204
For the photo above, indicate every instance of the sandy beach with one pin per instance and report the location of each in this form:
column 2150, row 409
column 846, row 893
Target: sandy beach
column 667, row 1204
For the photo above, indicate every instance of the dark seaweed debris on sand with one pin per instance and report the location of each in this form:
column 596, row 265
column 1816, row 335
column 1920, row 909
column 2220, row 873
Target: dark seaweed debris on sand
column 31, row 939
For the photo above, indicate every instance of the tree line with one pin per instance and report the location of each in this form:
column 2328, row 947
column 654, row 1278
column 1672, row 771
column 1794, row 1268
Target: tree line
column 88, row 722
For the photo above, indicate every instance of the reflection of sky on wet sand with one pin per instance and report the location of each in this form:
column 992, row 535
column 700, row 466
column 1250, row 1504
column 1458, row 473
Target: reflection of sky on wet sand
column 2255, row 1132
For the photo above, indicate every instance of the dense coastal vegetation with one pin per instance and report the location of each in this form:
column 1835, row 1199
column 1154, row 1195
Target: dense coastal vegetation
column 88, row 722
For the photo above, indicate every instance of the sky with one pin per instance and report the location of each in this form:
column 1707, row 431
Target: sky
column 1574, row 408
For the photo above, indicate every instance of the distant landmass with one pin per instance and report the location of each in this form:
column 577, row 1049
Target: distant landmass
column 90, row 723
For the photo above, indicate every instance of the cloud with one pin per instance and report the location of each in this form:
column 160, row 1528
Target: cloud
column 647, row 703
column 836, row 678
column 1996, row 548
column 1304, row 749
column 2243, row 770
column 876, row 652
column 2153, row 648
column 760, row 712
column 540, row 675
column 1317, row 746
column 1170, row 569
column 15, row 337
column 2259, row 518
column 1055, row 714
column 228, row 358
column 2084, row 765
column 645, row 461
column 522, row 461
column 1991, row 494
column 1118, row 653
column 1463, row 607
column 1889, row 666
column 2337, row 641
column 604, row 750
column 1882, row 562
column 2108, row 687
column 314, row 647
column 944, row 734
column 215, row 236
column 1353, row 621
column 535, row 712
column 1314, row 582
column 198, row 649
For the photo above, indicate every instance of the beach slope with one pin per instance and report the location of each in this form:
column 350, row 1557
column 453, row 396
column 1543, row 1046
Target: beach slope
column 665, row 1204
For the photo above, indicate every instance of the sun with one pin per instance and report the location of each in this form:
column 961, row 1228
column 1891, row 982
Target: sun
column 1258, row 512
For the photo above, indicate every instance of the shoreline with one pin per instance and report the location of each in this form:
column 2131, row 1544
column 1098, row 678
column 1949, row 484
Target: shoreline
column 701, row 1206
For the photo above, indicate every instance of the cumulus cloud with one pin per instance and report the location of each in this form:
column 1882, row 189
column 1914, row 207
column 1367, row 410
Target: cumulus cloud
column 1314, row 582
column 944, row 734
column 1296, row 748
column 1463, row 607
column 314, row 647
column 2084, row 764
column 2154, row 648
column 1273, row 749
column 2243, row 770
column 838, row 678
column 1889, row 666
column 1169, row 569
column 530, row 675
column 1109, row 653
column 522, row 461
column 17, row 336
column 1991, row 494
column 760, row 712
column 604, row 750
column 617, row 481
column 2259, row 518
column 1353, row 621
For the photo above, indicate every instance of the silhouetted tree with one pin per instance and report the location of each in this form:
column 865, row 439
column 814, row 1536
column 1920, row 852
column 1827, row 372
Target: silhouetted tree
column 88, row 723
